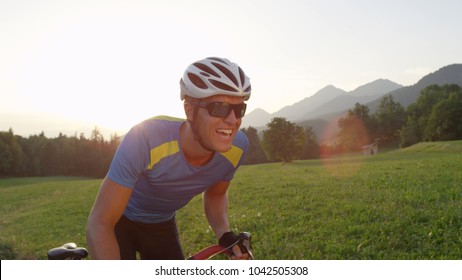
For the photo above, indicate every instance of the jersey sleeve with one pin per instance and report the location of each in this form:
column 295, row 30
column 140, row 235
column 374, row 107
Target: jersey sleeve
column 131, row 158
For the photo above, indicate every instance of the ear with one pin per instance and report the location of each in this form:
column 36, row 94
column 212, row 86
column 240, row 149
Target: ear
column 189, row 110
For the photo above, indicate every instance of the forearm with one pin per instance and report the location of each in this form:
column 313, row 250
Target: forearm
column 101, row 242
column 216, row 211
column 107, row 210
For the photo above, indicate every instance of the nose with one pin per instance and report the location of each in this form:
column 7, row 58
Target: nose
column 231, row 118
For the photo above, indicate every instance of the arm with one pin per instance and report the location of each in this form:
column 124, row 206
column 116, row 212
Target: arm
column 216, row 211
column 216, row 208
column 107, row 210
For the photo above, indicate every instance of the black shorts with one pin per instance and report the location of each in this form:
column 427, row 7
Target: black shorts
column 152, row 241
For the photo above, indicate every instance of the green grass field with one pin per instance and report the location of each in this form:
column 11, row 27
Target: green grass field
column 396, row 205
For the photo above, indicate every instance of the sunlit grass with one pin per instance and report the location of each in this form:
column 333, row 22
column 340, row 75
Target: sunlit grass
column 402, row 205
column 38, row 217
column 396, row 205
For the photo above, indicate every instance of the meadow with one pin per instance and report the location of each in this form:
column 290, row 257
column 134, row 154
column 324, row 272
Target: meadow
column 398, row 205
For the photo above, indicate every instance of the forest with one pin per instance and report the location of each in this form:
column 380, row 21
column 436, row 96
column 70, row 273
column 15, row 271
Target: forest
column 38, row 155
column 435, row 116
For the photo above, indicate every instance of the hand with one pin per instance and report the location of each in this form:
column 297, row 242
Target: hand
column 238, row 255
column 238, row 251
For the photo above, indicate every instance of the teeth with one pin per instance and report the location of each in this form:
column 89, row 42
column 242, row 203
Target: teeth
column 225, row 131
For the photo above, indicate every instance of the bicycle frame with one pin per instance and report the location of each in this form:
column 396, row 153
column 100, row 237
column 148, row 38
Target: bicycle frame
column 209, row 253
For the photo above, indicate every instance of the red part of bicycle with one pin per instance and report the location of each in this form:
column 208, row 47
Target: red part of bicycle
column 209, row 252
column 212, row 251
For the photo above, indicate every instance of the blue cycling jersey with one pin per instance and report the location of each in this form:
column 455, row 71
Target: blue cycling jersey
column 150, row 160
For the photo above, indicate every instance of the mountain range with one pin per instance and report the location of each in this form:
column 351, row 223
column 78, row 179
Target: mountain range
column 330, row 102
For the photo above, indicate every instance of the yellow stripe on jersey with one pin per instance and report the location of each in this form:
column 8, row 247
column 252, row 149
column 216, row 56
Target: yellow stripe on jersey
column 164, row 150
column 234, row 155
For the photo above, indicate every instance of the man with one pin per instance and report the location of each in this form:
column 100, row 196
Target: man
column 162, row 163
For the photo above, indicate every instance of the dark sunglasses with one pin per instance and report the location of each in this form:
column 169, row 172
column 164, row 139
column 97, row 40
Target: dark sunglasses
column 222, row 109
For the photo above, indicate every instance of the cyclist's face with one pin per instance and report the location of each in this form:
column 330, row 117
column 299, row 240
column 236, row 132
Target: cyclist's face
column 219, row 132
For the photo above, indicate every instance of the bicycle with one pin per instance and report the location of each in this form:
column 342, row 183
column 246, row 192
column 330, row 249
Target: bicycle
column 70, row 251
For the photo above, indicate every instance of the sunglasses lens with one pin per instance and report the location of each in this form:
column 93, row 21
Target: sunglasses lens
column 239, row 110
column 222, row 110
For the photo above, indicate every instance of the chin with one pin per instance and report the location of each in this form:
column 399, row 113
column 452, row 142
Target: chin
column 222, row 149
column 222, row 145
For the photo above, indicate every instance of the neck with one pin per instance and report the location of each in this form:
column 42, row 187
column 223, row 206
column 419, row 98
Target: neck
column 194, row 152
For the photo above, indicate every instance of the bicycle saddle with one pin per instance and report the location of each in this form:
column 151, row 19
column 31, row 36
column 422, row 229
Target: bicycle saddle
column 68, row 251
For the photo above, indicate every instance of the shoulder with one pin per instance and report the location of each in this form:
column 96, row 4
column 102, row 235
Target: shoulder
column 156, row 125
column 155, row 130
column 160, row 122
column 241, row 140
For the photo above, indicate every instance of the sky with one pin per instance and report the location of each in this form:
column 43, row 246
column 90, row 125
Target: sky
column 71, row 66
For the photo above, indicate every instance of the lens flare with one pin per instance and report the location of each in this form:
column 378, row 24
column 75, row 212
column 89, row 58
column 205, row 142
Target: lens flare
column 341, row 148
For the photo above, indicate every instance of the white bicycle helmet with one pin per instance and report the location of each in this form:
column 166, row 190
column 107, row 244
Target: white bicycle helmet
column 214, row 76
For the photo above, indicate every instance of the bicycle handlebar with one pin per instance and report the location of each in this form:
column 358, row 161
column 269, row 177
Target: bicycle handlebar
column 210, row 252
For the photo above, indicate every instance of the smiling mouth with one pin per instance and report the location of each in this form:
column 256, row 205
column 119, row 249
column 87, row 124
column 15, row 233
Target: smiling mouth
column 225, row 132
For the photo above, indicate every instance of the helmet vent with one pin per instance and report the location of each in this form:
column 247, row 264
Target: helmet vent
column 222, row 86
column 226, row 71
column 197, row 81
column 206, row 69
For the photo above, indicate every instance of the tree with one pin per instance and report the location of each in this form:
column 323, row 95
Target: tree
column 11, row 154
column 411, row 133
column 310, row 148
column 255, row 153
column 434, row 116
column 96, row 135
column 283, row 140
column 390, row 117
column 354, row 132
column 6, row 158
column 33, row 148
column 444, row 123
